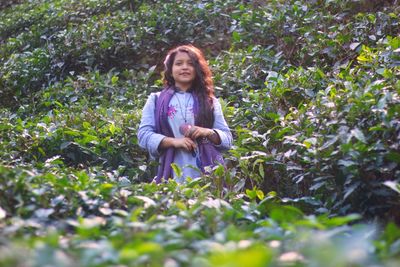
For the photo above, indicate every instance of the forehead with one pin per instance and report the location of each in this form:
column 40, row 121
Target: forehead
column 182, row 56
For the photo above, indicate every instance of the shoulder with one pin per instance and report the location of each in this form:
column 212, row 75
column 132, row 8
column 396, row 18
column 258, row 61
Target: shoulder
column 154, row 96
column 215, row 101
column 158, row 93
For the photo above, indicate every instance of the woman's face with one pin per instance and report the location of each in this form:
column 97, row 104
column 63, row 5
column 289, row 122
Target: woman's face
column 183, row 71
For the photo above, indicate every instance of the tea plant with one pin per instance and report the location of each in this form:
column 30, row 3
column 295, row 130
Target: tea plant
column 309, row 88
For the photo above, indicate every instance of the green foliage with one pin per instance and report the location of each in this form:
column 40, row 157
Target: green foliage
column 309, row 88
column 97, row 218
column 82, row 35
column 328, row 127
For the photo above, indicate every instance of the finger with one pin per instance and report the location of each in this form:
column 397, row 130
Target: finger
column 197, row 134
column 188, row 144
column 188, row 132
column 191, row 134
column 192, row 145
column 185, row 144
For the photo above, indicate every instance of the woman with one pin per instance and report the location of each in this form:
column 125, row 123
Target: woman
column 184, row 124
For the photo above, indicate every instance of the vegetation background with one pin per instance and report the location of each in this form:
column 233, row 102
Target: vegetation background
column 309, row 88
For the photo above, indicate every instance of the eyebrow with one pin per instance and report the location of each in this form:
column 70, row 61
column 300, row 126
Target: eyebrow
column 179, row 60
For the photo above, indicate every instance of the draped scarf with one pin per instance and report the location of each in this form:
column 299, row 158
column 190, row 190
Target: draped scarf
column 208, row 153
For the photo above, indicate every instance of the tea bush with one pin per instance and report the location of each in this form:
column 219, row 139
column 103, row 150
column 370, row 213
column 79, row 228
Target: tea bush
column 309, row 88
column 97, row 218
column 91, row 35
column 284, row 114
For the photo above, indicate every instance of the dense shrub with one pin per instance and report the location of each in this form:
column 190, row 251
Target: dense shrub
column 282, row 125
column 309, row 88
column 98, row 218
column 333, row 136
column 104, row 35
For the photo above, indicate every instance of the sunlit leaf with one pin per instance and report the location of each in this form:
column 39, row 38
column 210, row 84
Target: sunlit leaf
column 236, row 36
column 148, row 202
column 260, row 194
column 338, row 221
column 177, row 170
column 393, row 185
column 353, row 46
column 357, row 133
column 2, row 213
column 255, row 256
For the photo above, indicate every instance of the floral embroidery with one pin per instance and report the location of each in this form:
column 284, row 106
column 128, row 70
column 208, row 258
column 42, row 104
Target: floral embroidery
column 171, row 112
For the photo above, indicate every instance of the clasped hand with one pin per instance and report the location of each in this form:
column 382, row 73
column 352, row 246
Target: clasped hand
column 196, row 132
column 188, row 142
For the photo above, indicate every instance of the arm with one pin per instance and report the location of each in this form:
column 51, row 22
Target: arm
column 221, row 127
column 184, row 143
column 147, row 136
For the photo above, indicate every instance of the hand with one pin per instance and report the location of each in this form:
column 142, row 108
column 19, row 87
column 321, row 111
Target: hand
column 196, row 132
column 184, row 143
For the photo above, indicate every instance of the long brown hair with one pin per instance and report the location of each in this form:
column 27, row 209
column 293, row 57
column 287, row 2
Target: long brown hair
column 202, row 86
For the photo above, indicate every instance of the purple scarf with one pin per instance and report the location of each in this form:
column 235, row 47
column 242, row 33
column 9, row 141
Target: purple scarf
column 209, row 155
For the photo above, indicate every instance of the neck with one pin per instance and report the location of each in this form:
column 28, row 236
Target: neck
column 184, row 87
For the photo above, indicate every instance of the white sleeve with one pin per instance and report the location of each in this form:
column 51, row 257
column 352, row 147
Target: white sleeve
column 221, row 127
column 147, row 136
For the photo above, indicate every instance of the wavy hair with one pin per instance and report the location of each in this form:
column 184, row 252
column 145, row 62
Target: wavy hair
column 202, row 86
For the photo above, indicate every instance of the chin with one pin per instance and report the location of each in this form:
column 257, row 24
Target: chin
column 186, row 81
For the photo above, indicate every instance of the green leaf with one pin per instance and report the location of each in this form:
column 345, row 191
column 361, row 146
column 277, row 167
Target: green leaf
column 180, row 205
column 254, row 256
column 359, row 135
column 394, row 42
column 261, row 170
column 339, row 221
column 219, row 170
column 177, row 170
column 346, row 163
column 364, row 58
column 393, row 185
column 350, row 189
column 391, row 233
column 285, row 214
column 329, row 143
column 148, row 248
column 260, row 194
column 393, row 156
column 274, row 116
column 282, row 132
column 239, row 185
column 86, row 125
column 112, row 128
column 114, row 80
column 310, row 142
column 148, row 202
column 252, row 194
column 236, row 36
column 71, row 133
